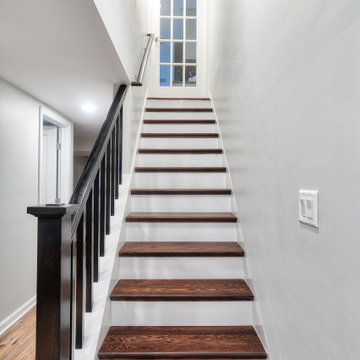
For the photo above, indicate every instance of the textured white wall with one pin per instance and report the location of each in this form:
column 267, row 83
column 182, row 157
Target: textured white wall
column 284, row 76
column 127, row 23
column 19, row 156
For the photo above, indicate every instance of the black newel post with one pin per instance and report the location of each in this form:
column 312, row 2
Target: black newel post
column 54, row 282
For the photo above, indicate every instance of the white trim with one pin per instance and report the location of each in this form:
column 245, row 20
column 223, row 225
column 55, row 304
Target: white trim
column 67, row 153
column 257, row 316
column 17, row 315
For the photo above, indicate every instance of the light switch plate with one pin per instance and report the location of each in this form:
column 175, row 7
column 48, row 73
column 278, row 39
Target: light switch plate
column 309, row 207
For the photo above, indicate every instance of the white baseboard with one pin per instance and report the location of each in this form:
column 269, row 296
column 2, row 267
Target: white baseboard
column 16, row 315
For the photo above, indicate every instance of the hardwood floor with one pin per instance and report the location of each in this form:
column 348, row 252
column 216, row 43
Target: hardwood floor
column 18, row 343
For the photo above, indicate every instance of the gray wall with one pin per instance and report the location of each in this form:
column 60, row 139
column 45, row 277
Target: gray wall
column 19, row 146
column 285, row 78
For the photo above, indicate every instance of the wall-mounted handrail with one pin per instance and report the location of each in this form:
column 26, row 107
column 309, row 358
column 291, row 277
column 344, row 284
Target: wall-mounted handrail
column 144, row 61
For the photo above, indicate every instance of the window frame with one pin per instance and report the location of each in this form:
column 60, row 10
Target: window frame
column 183, row 64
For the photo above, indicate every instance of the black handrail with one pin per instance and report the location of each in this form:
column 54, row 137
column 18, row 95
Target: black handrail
column 87, row 178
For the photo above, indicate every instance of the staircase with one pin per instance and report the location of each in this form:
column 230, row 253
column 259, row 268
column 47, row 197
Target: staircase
column 180, row 292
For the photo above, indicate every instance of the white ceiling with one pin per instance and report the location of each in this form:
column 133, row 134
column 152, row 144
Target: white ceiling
column 60, row 52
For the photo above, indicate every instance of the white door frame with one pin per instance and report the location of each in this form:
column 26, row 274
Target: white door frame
column 66, row 153
column 201, row 89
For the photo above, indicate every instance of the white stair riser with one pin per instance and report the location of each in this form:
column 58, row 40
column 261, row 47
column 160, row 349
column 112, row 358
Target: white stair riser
column 180, row 203
column 178, row 104
column 176, row 313
column 157, row 115
column 143, row 231
column 180, row 160
column 178, row 128
column 181, row 180
column 181, row 268
column 179, row 143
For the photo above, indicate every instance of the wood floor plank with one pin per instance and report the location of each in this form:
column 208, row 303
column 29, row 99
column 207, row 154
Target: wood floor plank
column 181, row 217
column 172, row 169
column 180, row 151
column 181, row 191
column 180, row 109
column 179, row 135
column 18, row 343
column 181, row 249
column 178, row 98
column 191, row 342
column 179, row 121
column 181, row 290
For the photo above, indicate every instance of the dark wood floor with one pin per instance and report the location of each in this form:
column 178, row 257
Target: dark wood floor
column 18, row 343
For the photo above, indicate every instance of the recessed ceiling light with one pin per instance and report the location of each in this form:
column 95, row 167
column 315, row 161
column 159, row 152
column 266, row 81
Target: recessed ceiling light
column 88, row 107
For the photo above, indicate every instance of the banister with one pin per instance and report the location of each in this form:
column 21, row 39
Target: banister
column 92, row 165
column 140, row 76
column 71, row 238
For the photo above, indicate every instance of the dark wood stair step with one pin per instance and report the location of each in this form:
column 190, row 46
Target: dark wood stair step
column 182, row 342
column 181, row 191
column 182, row 290
column 178, row 98
column 179, row 121
column 179, row 135
column 181, row 249
column 155, row 217
column 180, row 151
column 179, row 109
column 172, row 169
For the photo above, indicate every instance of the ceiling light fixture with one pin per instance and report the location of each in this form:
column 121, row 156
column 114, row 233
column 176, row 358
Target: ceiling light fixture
column 88, row 107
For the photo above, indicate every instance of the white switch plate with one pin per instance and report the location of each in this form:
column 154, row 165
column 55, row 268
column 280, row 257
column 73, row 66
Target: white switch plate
column 309, row 207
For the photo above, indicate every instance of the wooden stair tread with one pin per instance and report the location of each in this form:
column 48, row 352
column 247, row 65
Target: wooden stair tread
column 180, row 109
column 181, row 191
column 178, row 98
column 179, row 121
column 181, row 249
column 171, row 169
column 180, row 151
column 179, row 135
column 226, row 217
column 182, row 342
column 181, row 290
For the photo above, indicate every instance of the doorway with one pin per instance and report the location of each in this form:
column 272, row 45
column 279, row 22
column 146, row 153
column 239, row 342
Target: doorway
column 181, row 48
column 51, row 169
column 55, row 158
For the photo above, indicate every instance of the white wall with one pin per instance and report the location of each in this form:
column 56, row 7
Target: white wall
column 19, row 157
column 285, row 79
column 127, row 23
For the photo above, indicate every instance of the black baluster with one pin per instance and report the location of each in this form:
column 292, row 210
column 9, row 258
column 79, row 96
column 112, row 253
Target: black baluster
column 79, row 285
column 120, row 145
column 108, row 184
column 96, row 227
column 113, row 185
column 102, row 206
column 117, row 133
column 89, row 251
